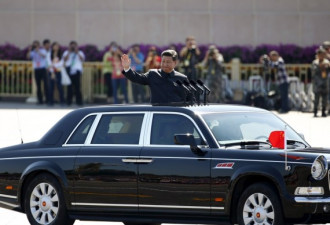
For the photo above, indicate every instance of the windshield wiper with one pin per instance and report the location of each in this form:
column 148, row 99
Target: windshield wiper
column 244, row 143
column 293, row 142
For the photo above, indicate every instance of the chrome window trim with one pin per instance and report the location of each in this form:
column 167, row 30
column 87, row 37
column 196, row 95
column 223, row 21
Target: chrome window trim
column 66, row 141
column 93, row 128
column 148, row 138
column 145, row 206
column 96, row 121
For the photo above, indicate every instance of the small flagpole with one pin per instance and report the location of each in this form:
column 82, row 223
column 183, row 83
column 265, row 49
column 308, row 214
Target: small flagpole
column 285, row 150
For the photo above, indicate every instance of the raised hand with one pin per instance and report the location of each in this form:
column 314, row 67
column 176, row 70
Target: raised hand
column 125, row 61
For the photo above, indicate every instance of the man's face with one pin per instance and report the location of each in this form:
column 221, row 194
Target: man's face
column 274, row 57
column 73, row 47
column 190, row 42
column 47, row 46
column 167, row 64
column 136, row 49
column 321, row 56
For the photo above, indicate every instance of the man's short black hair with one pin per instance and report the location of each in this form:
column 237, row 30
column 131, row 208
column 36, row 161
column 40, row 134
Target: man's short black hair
column 46, row 41
column 73, row 43
column 171, row 53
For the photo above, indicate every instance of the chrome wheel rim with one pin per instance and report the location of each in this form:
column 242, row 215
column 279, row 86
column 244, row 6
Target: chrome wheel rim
column 258, row 209
column 44, row 203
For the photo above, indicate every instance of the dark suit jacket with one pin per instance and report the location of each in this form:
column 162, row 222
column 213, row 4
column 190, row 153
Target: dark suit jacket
column 163, row 86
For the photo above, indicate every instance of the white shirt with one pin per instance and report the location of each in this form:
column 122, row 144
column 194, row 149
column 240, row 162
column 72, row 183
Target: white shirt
column 55, row 63
column 74, row 61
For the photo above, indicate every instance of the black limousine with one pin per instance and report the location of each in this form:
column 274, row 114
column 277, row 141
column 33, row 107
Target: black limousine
column 157, row 164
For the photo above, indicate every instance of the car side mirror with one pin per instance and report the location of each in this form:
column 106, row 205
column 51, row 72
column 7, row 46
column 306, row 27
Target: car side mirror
column 188, row 139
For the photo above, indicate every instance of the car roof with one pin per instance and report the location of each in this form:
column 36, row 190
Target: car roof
column 212, row 108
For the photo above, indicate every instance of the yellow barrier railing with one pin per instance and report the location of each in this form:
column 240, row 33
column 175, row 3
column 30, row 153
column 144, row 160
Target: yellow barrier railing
column 17, row 77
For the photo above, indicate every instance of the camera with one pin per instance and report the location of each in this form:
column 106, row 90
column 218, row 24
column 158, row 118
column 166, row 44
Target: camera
column 265, row 59
column 211, row 53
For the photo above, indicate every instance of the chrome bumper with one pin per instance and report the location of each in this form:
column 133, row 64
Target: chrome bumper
column 311, row 200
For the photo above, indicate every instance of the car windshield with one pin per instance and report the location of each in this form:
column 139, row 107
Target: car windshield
column 249, row 128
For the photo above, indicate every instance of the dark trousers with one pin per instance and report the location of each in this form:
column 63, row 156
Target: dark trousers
column 324, row 96
column 138, row 91
column 58, row 82
column 123, row 86
column 284, row 92
column 41, row 76
column 191, row 73
column 108, row 83
column 74, row 88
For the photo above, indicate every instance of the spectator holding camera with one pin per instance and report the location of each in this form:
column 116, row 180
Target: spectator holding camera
column 213, row 64
column 54, row 66
column 275, row 62
column 320, row 70
column 107, row 68
column 190, row 58
column 73, row 60
column 39, row 62
column 152, row 60
column 137, row 63
column 326, row 46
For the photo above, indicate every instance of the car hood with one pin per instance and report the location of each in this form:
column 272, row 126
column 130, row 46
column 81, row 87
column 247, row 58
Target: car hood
column 309, row 153
column 315, row 150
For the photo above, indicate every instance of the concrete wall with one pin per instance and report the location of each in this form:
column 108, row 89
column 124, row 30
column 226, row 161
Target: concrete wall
column 224, row 22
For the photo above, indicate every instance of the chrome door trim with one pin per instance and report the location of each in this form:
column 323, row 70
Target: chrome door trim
column 146, row 206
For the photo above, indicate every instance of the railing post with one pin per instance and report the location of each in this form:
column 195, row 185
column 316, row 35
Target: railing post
column 235, row 69
column 33, row 97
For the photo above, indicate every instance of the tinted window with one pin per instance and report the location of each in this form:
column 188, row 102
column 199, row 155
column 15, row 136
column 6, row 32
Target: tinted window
column 118, row 129
column 164, row 127
column 80, row 134
column 246, row 126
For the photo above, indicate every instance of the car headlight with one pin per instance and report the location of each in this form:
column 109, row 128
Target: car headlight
column 319, row 168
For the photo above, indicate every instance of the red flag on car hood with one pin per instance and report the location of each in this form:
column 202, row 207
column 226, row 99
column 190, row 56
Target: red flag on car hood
column 277, row 139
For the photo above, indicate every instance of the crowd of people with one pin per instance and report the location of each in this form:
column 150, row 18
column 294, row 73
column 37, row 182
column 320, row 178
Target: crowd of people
column 320, row 69
column 51, row 66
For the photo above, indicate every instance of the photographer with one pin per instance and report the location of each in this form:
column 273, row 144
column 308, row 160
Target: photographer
column 212, row 63
column 107, row 68
column 320, row 70
column 152, row 60
column 73, row 60
column 39, row 62
column 137, row 60
column 276, row 63
column 190, row 58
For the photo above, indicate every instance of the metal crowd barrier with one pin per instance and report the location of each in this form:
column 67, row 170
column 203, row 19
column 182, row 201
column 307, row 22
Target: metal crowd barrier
column 17, row 78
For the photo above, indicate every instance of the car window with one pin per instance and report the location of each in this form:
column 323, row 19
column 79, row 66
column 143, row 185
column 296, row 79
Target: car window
column 118, row 129
column 165, row 126
column 80, row 134
column 228, row 127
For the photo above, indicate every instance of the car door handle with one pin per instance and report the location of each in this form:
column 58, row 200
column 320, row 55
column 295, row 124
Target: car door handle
column 139, row 161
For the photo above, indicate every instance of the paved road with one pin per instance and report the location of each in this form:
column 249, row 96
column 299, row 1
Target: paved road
column 31, row 122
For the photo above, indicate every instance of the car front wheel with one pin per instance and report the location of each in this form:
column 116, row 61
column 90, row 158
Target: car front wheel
column 44, row 202
column 259, row 204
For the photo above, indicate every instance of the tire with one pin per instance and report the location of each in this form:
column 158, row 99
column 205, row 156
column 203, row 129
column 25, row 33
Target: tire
column 259, row 204
column 44, row 202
